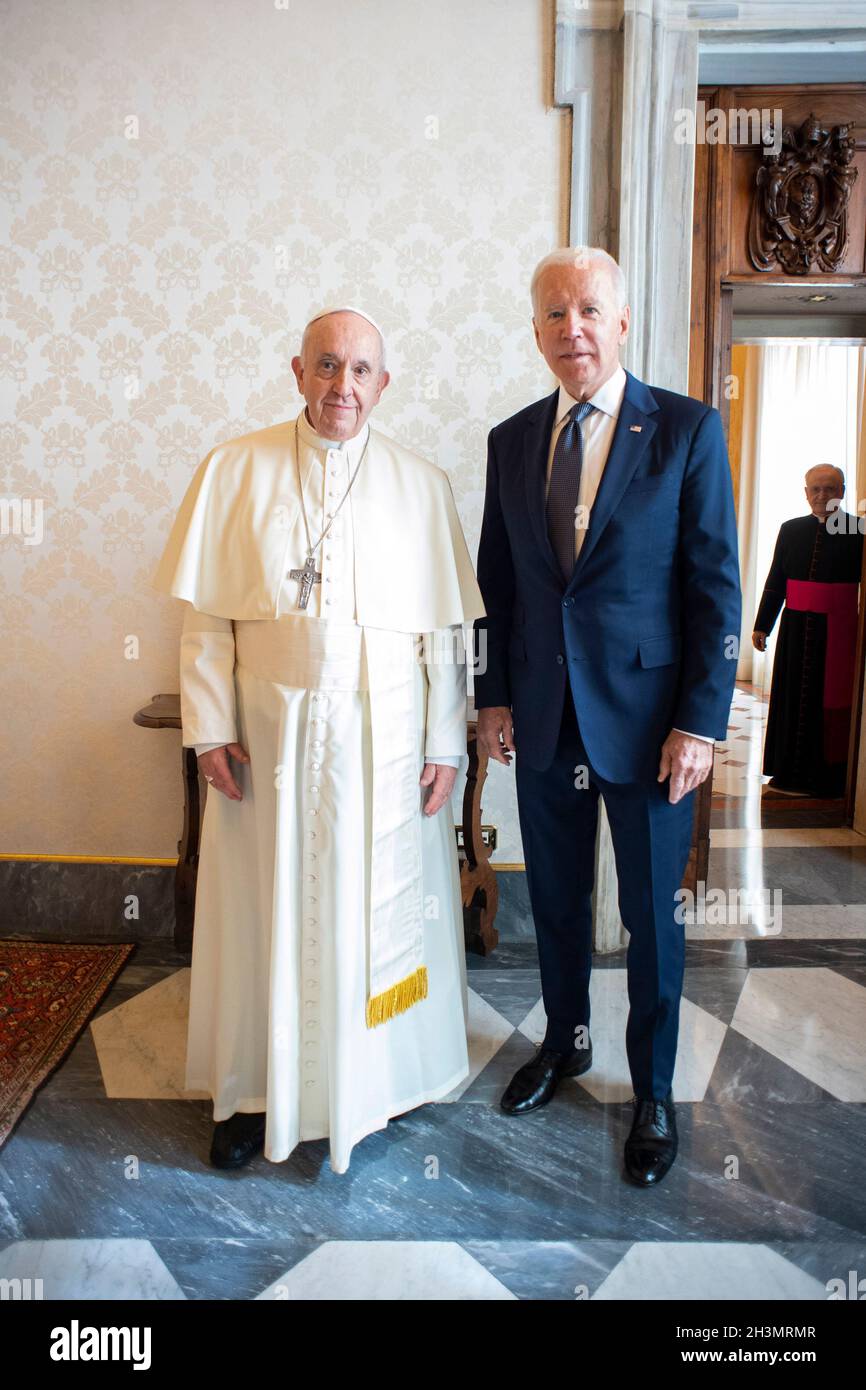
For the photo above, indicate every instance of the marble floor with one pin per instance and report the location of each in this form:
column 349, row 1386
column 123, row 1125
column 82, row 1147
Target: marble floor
column 106, row 1191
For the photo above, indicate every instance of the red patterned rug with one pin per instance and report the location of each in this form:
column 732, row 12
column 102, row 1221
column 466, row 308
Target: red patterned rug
column 48, row 993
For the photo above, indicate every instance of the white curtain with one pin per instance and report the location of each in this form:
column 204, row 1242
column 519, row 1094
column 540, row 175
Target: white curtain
column 803, row 403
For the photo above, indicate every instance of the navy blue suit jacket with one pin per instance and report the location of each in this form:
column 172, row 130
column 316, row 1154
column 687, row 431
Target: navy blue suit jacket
column 647, row 628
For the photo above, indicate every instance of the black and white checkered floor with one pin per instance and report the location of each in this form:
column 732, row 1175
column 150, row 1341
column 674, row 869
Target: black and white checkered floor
column 106, row 1191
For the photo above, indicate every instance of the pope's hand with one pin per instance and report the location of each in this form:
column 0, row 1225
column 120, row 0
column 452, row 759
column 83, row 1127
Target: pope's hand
column 688, row 761
column 215, row 764
column 495, row 724
column 441, row 781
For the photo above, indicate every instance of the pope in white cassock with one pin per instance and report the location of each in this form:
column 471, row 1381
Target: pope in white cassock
column 323, row 686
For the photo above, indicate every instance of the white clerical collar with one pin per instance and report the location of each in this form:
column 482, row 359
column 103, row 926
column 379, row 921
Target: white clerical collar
column 352, row 447
column 607, row 399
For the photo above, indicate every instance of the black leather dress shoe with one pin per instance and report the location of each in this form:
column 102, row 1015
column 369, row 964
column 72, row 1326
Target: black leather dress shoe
column 651, row 1147
column 237, row 1140
column 536, row 1081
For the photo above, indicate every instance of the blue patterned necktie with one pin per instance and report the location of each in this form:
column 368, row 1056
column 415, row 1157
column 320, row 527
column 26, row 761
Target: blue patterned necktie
column 564, row 488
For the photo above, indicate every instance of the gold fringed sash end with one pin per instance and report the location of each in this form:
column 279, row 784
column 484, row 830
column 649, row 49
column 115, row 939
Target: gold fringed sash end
column 398, row 998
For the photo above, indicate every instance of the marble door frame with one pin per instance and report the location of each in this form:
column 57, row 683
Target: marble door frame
column 629, row 69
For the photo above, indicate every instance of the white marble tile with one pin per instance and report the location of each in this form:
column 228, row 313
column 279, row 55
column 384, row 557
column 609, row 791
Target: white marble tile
column 609, row 1080
column 701, row 1270
column 91, row 1269
column 141, row 1044
column 800, row 922
column 756, row 838
column 487, row 1031
column 813, row 1020
column 388, row 1271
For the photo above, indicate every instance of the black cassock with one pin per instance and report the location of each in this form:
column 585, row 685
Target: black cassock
column 815, row 574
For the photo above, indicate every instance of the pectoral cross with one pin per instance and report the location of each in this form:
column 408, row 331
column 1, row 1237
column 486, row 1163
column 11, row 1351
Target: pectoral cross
column 307, row 577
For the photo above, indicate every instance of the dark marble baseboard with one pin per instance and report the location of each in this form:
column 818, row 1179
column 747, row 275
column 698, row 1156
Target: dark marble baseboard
column 53, row 900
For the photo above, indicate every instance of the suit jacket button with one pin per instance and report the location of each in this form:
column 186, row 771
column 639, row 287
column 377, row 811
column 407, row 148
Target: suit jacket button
column 560, row 660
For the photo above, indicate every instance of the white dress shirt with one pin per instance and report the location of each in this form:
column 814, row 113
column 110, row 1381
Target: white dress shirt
column 596, row 432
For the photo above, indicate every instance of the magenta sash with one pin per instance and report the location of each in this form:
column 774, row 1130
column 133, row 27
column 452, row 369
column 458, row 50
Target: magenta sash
column 839, row 602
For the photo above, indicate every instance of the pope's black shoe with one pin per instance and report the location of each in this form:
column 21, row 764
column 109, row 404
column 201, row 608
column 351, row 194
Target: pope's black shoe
column 536, row 1081
column 651, row 1147
column 237, row 1139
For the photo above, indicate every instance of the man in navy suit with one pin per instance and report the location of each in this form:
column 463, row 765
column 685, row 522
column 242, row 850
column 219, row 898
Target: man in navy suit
column 606, row 662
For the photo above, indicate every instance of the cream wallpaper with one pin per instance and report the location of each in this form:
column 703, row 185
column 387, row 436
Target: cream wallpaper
column 181, row 183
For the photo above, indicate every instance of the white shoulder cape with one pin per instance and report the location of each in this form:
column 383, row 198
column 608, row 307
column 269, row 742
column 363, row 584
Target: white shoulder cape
column 239, row 529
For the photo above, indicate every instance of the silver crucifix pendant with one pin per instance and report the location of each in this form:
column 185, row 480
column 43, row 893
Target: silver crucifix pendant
column 307, row 577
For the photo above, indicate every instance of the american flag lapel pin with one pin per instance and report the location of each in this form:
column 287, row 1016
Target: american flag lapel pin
column 636, row 428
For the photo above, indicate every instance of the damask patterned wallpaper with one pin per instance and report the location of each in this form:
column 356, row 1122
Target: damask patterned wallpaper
column 181, row 183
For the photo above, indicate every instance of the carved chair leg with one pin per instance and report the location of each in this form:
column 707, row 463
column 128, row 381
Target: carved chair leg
column 188, row 847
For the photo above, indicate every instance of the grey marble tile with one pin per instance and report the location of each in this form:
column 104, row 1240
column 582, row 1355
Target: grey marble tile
column 828, row 874
column 511, row 992
column 792, row 817
column 79, row 1076
column 720, row 953
column 232, row 1268
column 519, row 955
column 552, row 1175
column 856, row 972
column 745, row 1072
column 715, row 989
column 825, row 1260
column 768, row 952
column 492, row 1081
column 562, row 1271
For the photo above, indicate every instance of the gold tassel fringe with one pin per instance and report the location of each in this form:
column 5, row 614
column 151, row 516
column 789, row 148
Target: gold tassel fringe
column 398, row 998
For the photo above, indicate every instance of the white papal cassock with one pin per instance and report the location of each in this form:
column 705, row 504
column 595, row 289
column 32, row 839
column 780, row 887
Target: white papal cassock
column 281, row 959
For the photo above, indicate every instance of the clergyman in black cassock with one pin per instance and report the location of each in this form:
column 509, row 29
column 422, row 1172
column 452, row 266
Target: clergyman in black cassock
column 815, row 574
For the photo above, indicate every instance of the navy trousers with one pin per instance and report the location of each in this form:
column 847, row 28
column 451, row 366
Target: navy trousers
column 651, row 840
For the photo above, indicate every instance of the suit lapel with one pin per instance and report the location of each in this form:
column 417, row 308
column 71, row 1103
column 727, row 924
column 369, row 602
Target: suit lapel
column 627, row 448
column 536, row 447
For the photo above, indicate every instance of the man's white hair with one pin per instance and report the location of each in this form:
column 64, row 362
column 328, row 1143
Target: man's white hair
column 579, row 256
column 835, row 467
column 345, row 309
